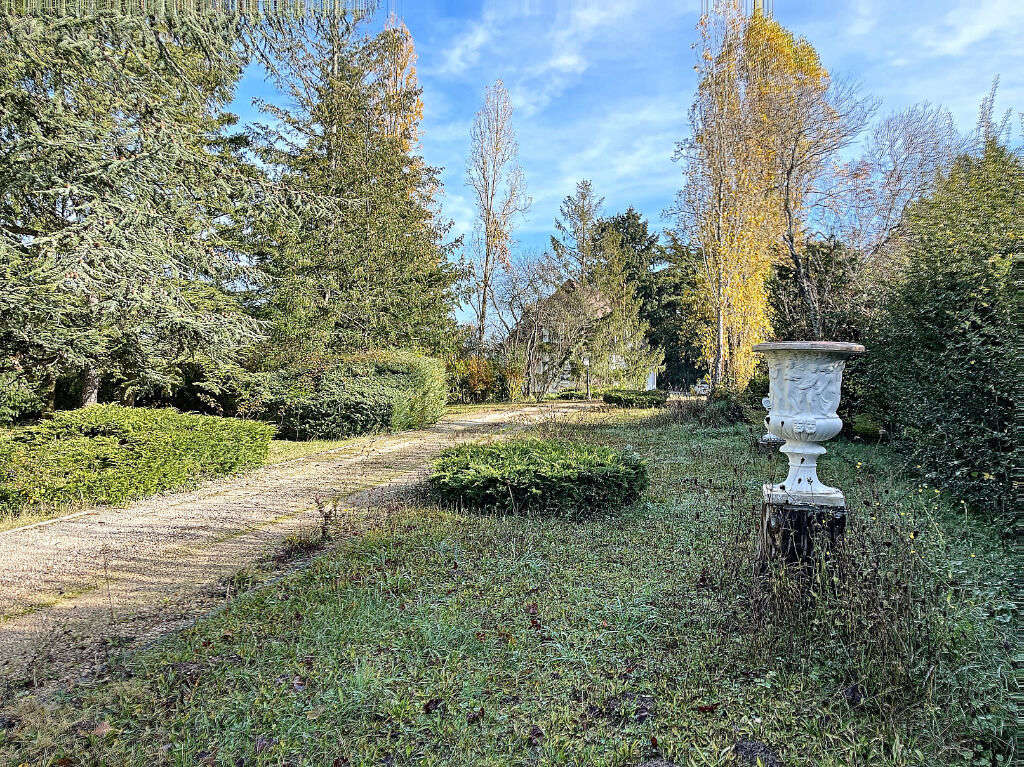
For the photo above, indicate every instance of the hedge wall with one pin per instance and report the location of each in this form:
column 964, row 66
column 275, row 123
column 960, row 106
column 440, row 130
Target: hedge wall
column 944, row 360
column 108, row 454
column 635, row 398
column 531, row 476
column 357, row 394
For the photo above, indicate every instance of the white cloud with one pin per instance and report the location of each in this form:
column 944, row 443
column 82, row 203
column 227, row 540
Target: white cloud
column 465, row 50
column 973, row 22
column 865, row 18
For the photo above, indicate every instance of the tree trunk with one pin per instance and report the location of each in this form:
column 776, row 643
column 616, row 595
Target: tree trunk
column 803, row 284
column 482, row 320
column 718, row 374
column 50, row 398
column 90, row 386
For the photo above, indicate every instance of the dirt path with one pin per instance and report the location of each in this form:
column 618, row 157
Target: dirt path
column 73, row 589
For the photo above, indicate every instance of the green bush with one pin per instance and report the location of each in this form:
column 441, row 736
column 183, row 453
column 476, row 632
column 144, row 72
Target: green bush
column 635, row 398
column 358, row 394
column 865, row 426
column 17, row 399
column 537, row 477
column 704, row 413
column 943, row 365
column 113, row 454
column 574, row 394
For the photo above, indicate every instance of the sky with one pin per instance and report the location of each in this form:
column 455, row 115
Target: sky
column 601, row 88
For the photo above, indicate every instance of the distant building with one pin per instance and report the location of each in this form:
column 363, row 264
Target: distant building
column 556, row 362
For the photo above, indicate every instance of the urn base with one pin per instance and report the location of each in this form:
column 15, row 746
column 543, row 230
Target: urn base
column 826, row 496
column 802, row 485
column 789, row 530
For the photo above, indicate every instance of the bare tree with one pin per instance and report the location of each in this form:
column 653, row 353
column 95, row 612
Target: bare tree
column 500, row 190
column 811, row 126
column 547, row 319
column 904, row 154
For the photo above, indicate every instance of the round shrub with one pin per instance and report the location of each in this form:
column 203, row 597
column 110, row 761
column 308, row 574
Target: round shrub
column 537, row 477
column 635, row 398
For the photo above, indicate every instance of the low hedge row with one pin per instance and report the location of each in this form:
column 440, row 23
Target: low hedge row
column 635, row 398
column 108, row 454
column 537, row 477
column 357, row 394
column 574, row 394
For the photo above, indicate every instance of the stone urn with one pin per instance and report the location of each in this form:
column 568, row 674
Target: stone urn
column 804, row 379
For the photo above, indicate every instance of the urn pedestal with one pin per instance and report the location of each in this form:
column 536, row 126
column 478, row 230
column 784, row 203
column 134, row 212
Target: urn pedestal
column 804, row 378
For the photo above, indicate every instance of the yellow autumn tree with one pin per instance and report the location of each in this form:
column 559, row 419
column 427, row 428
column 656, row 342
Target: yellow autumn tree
column 753, row 78
column 807, row 119
column 398, row 87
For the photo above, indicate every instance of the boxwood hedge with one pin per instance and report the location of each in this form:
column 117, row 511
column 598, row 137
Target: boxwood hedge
column 357, row 394
column 108, row 454
column 537, row 477
column 635, row 398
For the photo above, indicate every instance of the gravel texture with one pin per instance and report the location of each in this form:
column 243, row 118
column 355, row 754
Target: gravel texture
column 74, row 589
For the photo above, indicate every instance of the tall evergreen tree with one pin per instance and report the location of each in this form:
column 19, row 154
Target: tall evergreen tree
column 114, row 196
column 362, row 258
column 619, row 350
column 577, row 230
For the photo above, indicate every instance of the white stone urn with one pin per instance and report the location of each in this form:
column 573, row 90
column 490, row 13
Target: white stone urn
column 804, row 378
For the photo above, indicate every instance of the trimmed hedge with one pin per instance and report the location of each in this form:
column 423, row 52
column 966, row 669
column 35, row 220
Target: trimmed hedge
column 108, row 454
column 635, row 398
column 357, row 394
column 576, row 394
column 537, row 477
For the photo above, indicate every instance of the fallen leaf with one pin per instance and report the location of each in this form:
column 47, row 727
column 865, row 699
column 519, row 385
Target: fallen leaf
column 431, row 705
column 536, row 735
column 707, row 709
column 102, row 729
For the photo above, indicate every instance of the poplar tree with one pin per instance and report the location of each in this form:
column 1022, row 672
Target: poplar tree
column 763, row 126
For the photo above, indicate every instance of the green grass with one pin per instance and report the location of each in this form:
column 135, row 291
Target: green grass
column 450, row 639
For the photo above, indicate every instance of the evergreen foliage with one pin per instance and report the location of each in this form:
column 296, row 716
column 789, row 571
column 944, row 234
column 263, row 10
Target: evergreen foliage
column 117, row 186
column 367, row 266
column 619, row 352
column 635, row 398
column 538, row 477
column 945, row 364
column 108, row 454
column 361, row 393
column 664, row 278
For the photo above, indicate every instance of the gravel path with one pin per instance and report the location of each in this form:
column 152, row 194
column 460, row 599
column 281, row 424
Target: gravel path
column 76, row 588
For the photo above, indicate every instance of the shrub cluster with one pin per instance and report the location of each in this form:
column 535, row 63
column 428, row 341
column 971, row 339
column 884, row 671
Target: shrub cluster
column 703, row 412
column 113, row 454
column 537, row 477
column 635, row 398
column 944, row 362
column 357, row 394
column 17, row 399
column 575, row 394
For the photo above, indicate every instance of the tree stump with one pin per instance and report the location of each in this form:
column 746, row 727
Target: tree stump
column 789, row 530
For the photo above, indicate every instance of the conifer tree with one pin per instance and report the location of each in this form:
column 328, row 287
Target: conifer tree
column 113, row 199
column 362, row 258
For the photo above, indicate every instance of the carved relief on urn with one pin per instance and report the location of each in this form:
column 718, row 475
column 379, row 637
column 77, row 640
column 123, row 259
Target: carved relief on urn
column 804, row 382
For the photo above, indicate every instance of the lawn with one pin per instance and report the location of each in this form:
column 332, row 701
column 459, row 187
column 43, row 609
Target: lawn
column 446, row 638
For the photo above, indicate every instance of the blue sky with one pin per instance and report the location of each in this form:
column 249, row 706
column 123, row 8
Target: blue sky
column 602, row 87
